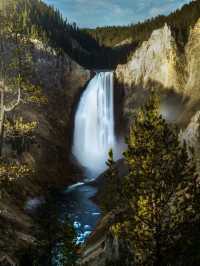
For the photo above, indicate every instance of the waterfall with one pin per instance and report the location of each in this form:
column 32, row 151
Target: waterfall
column 94, row 124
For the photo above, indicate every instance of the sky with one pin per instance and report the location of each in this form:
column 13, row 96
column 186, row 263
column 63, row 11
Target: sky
column 93, row 13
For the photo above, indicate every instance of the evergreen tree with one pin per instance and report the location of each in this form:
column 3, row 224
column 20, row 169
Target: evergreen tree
column 15, row 72
column 112, row 187
column 160, row 194
column 180, row 22
column 35, row 19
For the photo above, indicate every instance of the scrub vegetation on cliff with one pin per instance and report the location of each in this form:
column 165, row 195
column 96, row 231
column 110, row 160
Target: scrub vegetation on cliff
column 21, row 97
column 16, row 90
column 42, row 22
column 16, row 133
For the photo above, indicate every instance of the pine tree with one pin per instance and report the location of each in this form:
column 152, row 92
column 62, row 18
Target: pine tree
column 112, row 187
column 160, row 193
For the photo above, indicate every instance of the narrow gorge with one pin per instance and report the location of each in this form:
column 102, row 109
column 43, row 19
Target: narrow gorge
column 99, row 127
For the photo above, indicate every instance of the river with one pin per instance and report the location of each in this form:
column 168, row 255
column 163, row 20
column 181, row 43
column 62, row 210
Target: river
column 93, row 137
column 81, row 210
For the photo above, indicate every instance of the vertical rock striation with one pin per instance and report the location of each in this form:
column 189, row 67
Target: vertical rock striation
column 192, row 88
column 159, row 62
column 156, row 60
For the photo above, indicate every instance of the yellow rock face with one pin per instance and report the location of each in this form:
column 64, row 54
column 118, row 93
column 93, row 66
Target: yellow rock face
column 155, row 60
column 159, row 60
column 192, row 87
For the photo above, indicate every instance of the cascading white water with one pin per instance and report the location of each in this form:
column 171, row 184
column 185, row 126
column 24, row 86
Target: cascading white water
column 94, row 124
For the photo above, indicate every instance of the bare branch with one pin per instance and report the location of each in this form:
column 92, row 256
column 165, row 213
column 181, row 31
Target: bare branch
column 14, row 105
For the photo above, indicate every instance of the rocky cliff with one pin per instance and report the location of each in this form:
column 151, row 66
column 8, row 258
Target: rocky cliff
column 192, row 51
column 103, row 245
column 155, row 60
column 61, row 80
column 191, row 135
column 160, row 63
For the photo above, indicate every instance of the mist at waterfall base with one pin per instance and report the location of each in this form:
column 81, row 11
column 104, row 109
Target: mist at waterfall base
column 94, row 132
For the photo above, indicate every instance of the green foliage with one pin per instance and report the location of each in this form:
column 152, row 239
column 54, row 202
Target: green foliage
column 17, row 69
column 11, row 173
column 180, row 20
column 16, row 73
column 113, row 186
column 34, row 94
column 20, row 127
column 91, row 48
column 20, row 134
column 160, row 193
column 36, row 20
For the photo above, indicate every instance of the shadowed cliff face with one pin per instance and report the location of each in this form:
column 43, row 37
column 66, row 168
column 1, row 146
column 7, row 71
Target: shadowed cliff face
column 61, row 80
column 159, row 62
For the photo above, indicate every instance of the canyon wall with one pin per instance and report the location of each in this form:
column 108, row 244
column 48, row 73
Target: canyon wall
column 61, row 81
column 160, row 63
column 155, row 60
column 192, row 51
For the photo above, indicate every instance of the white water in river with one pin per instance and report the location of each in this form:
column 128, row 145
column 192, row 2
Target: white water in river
column 94, row 124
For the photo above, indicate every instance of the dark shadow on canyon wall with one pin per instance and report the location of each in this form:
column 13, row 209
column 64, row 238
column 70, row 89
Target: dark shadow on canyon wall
column 119, row 101
column 175, row 107
column 60, row 81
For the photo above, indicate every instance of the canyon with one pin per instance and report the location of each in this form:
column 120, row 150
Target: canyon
column 60, row 153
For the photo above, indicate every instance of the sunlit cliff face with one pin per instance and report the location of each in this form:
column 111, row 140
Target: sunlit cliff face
column 155, row 60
